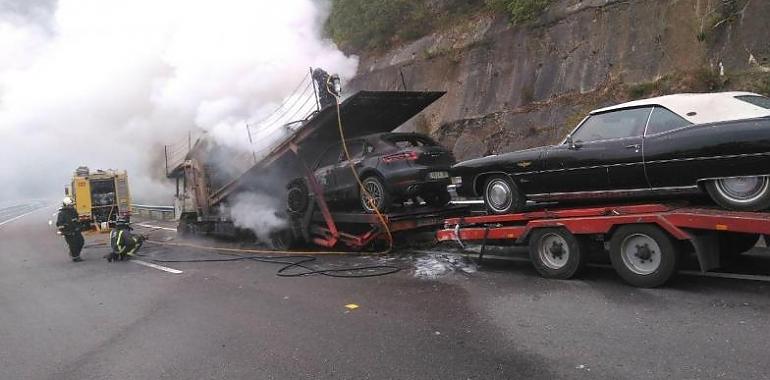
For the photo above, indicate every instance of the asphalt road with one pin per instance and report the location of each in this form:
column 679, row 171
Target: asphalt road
column 95, row 320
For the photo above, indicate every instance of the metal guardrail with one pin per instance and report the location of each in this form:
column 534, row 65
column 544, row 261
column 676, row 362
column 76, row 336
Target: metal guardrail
column 154, row 212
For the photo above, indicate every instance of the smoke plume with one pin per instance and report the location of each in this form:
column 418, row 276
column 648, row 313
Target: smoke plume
column 257, row 212
column 105, row 83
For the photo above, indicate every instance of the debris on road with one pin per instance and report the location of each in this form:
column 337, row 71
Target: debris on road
column 434, row 265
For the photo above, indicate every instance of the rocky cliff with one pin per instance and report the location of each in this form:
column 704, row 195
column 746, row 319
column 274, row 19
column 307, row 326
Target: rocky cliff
column 512, row 87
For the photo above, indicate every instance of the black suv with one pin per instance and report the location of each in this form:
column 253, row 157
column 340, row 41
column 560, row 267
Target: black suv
column 393, row 167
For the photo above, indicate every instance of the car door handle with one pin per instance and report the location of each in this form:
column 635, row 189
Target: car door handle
column 633, row 146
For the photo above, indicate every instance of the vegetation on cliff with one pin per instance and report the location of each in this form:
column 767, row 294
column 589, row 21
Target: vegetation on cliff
column 378, row 24
column 369, row 24
column 520, row 10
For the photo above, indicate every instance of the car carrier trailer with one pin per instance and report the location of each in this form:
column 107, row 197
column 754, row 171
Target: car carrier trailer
column 644, row 241
column 209, row 176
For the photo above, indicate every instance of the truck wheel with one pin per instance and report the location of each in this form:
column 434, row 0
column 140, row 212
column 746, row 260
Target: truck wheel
column 375, row 196
column 501, row 195
column 283, row 240
column 644, row 255
column 186, row 226
column 734, row 243
column 556, row 253
column 297, row 198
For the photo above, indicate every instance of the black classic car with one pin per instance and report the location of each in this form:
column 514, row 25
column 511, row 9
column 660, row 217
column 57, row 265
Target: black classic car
column 393, row 168
column 717, row 144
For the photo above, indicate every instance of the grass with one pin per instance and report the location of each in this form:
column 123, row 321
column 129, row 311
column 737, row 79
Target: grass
column 643, row 90
column 702, row 80
column 520, row 11
column 374, row 25
column 763, row 86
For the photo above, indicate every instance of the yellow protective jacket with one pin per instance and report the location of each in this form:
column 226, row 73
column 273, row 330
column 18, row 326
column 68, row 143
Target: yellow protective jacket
column 122, row 241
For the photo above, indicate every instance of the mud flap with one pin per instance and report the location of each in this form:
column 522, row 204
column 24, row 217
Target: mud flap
column 706, row 246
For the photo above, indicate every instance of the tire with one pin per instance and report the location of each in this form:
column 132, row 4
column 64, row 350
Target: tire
column 186, row 226
column 741, row 193
column 283, row 240
column 297, row 198
column 644, row 255
column 557, row 253
column 733, row 244
column 376, row 189
column 501, row 196
column 438, row 199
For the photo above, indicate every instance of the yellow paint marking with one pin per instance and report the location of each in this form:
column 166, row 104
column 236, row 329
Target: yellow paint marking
column 351, row 306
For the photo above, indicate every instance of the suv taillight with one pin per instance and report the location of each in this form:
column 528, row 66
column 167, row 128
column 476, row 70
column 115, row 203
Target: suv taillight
column 401, row 156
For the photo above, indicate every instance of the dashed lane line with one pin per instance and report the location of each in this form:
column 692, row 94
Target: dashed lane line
column 156, row 266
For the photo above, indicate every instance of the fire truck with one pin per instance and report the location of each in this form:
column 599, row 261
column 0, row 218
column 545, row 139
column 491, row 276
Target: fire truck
column 100, row 196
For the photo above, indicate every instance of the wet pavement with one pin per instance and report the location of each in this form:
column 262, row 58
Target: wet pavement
column 441, row 316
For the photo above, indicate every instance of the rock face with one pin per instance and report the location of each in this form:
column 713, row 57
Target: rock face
column 513, row 87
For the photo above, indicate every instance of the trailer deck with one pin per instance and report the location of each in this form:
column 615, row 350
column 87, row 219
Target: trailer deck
column 357, row 230
column 600, row 220
column 640, row 236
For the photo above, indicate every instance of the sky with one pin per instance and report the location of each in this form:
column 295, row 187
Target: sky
column 106, row 83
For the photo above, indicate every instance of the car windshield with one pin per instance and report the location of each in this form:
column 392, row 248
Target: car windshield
column 330, row 156
column 407, row 141
column 756, row 100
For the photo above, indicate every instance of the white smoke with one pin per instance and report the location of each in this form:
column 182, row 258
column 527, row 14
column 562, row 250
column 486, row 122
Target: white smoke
column 257, row 212
column 105, row 83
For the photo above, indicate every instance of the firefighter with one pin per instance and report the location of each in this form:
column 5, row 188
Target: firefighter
column 123, row 242
column 328, row 87
column 68, row 225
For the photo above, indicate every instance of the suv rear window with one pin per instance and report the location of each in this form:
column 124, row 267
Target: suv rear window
column 756, row 100
column 410, row 141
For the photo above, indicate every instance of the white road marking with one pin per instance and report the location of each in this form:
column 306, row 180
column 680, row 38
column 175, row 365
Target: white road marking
column 156, row 227
column 17, row 217
column 156, row 266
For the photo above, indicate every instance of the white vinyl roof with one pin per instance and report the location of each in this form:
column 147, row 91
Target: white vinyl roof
column 701, row 108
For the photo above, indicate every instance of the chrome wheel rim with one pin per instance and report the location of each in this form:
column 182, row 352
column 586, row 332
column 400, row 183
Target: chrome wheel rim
column 499, row 195
column 641, row 254
column 372, row 197
column 553, row 251
column 742, row 189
